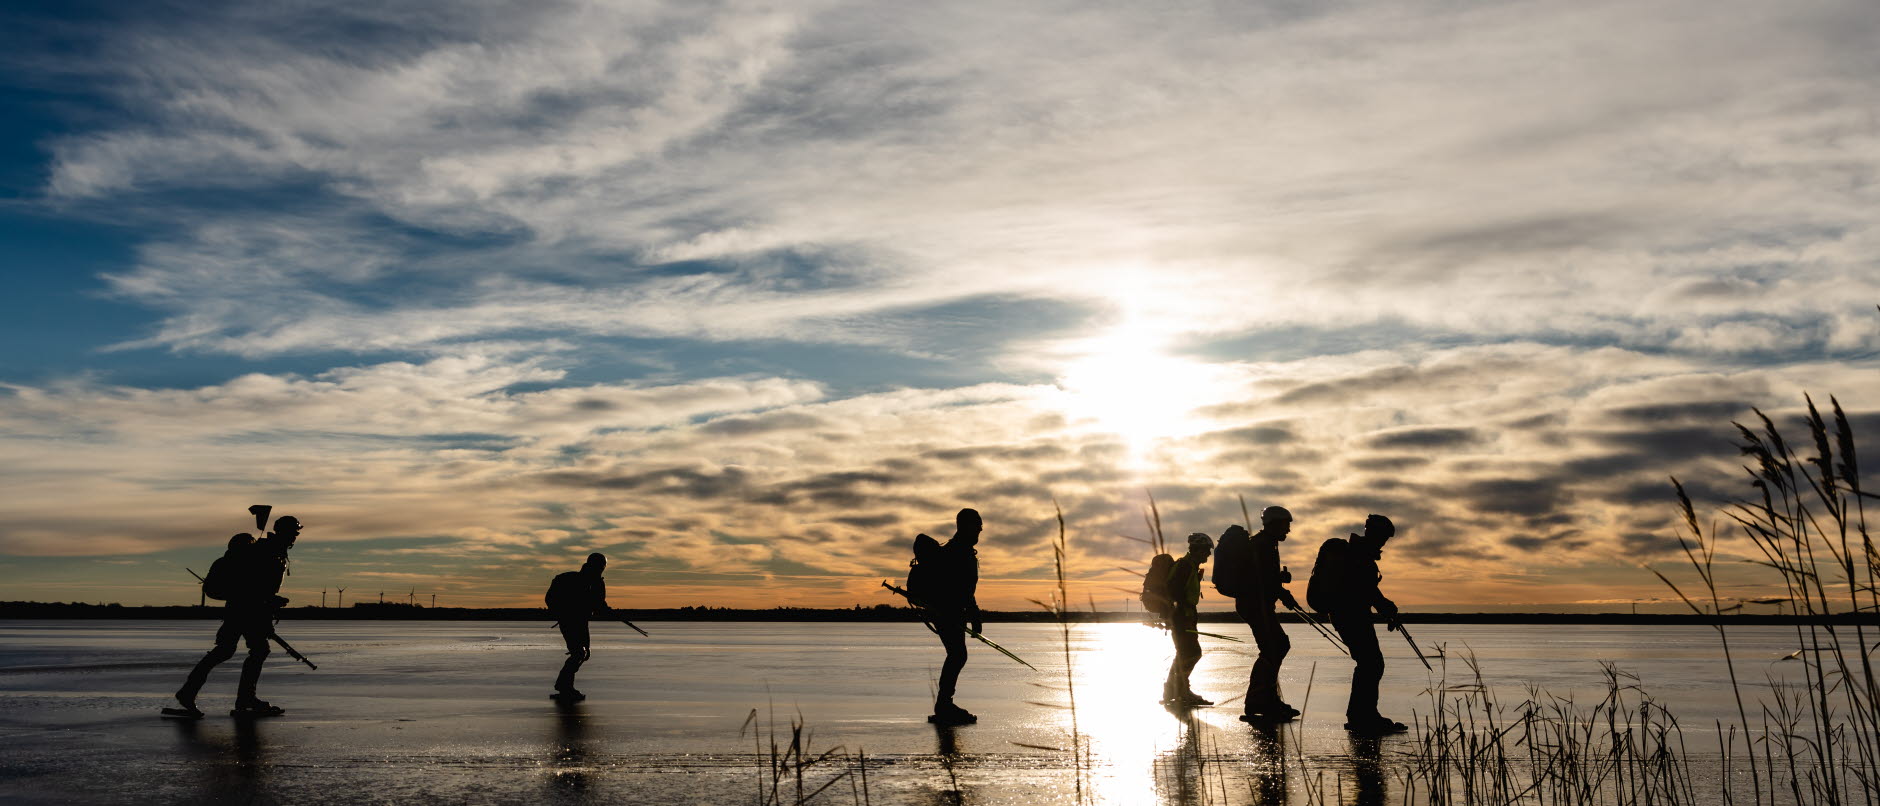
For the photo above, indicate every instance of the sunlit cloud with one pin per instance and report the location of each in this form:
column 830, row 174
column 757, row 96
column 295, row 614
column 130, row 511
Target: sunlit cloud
column 749, row 295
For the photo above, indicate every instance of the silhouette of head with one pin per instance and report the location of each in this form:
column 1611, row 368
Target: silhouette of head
column 287, row 527
column 1276, row 521
column 967, row 525
column 242, row 540
column 1200, row 545
column 1378, row 529
column 1235, row 530
column 596, row 563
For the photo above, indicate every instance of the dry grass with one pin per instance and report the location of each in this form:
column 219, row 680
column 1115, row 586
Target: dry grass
column 789, row 771
column 1817, row 741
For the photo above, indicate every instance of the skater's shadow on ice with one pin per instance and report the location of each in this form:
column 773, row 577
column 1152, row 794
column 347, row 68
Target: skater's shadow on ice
column 571, row 756
column 232, row 764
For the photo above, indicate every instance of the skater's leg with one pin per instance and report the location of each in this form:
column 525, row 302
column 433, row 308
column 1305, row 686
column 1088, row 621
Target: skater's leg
column 1270, row 637
column 256, row 628
column 225, row 638
column 1361, row 638
column 574, row 633
column 953, row 637
column 1187, row 654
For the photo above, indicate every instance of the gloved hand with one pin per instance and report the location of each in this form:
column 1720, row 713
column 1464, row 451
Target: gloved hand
column 1286, row 598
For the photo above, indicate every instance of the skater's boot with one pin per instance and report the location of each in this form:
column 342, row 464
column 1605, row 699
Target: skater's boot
column 186, row 707
column 946, row 713
column 1191, row 698
column 1376, row 726
column 1271, row 711
column 961, row 714
column 253, row 707
column 567, row 695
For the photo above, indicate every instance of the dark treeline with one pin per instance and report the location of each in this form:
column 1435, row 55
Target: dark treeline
column 881, row 613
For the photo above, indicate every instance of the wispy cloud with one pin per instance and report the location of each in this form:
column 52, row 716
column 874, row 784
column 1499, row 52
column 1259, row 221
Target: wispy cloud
column 1500, row 169
column 1495, row 269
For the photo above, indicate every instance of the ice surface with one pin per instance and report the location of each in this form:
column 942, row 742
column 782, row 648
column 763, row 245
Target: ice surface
column 403, row 712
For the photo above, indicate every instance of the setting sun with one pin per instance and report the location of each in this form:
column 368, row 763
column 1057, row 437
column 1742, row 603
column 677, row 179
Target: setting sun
column 1125, row 382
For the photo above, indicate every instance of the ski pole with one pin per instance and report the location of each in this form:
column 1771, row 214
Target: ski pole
column 1398, row 626
column 976, row 636
column 291, row 652
column 1314, row 623
column 1216, row 635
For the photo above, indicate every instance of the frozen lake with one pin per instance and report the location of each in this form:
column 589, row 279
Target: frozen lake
column 458, row 711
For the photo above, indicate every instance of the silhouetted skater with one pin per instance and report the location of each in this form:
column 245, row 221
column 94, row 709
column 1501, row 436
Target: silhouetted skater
column 248, row 579
column 1184, row 591
column 1344, row 584
column 1246, row 567
column 944, row 579
column 574, row 597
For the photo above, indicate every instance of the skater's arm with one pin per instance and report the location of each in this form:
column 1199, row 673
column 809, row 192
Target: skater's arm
column 1265, row 562
column 599, row 591
column 1384, row 606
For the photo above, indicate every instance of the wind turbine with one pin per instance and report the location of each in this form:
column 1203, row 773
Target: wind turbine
column 342, row 599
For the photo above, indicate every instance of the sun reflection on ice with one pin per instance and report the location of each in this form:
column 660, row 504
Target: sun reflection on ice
column 1119, row 676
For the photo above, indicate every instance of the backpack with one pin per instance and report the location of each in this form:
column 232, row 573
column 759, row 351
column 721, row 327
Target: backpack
column 567, row 592
column 926, row 579
column 1325, row 591
column 221, row 583
column 1231, row 557
column 1155, row 586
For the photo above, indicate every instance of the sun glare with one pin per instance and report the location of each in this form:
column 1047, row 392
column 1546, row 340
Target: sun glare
column 1127, row 383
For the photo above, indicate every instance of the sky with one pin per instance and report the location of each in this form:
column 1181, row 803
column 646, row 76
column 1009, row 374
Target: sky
column 745, row 295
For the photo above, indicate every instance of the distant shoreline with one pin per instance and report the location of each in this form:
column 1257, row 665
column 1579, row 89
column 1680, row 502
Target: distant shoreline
column 388, row 612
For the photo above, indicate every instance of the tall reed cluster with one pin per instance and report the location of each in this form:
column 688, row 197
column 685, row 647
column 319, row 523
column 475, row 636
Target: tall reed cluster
column 1472, row 748
column 1812, row 741
column 1817, row 741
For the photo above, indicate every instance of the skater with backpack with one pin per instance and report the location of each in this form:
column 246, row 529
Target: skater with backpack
column 573, row 597
column 247, row 579
column 1184, row 594
column 1246, row 568
column 943, row 579
column 1344, row 585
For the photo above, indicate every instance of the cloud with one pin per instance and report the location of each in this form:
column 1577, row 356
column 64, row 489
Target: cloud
column 1423, row 437
column 722, row 171
column 469, row 456
column 1392, row 281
